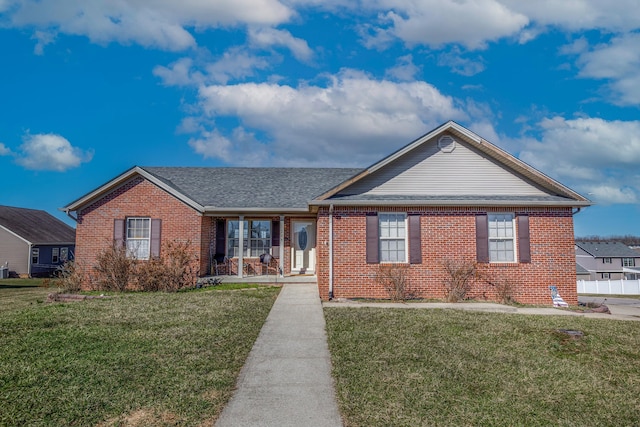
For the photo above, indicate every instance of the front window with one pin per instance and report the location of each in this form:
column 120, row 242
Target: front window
column 64, row 254
column 55, row 255
column 606, row 275
column 138, row 237
column 628, row 262
column 393, row 241
column 35, row 256
column 501, row 238
column 606, row 260
column 256, row 236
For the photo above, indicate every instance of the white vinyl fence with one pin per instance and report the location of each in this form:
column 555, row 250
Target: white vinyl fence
column 609, row 287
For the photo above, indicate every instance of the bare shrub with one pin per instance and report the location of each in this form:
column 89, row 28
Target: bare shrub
column 504, row 287
column 459, row 275
column 115, row 269
column 70, row 277
column 176, row 268
column 393, row 278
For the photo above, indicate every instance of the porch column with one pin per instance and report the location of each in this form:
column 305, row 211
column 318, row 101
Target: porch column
column 240, row 244
column 281, row 254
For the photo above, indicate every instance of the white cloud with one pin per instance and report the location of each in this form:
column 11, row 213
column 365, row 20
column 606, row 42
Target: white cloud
column 157, row 23
column 43, row 38
column 574, row 15
column 404, row 70
column 354, row 120
column 617, row 61
column 50, row 152
column 4, row 150
column 459, row 64
column 268, row 37
column 439, row 22
column 236, row 63
column 592, row 155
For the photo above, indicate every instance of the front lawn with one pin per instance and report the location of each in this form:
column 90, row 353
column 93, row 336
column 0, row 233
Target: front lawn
column 396, row 367
column 131, row 359
column 20, row 293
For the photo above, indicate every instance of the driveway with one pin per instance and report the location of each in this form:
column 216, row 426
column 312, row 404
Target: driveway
column 617, row 306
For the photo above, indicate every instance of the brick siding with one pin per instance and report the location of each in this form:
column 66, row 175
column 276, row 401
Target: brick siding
column 448, row 233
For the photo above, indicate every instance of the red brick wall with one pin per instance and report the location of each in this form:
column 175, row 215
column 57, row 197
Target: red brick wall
column 139, row 197
column 449, row 234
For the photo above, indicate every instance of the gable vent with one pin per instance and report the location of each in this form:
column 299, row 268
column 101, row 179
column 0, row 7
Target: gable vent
column 446, row 144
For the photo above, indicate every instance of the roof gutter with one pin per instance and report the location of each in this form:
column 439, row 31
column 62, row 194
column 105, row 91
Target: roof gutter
column 572, row 203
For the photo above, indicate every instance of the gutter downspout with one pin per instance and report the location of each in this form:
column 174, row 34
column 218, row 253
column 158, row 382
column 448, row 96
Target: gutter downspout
column 29, row 260
column 578, row 209
column 68, row 212
column 281, row 251
column 331, row 251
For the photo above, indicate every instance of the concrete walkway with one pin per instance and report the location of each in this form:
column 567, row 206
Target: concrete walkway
column 286, row 380
column 619, row 311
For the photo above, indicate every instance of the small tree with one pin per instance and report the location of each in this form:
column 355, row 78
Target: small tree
column 504, row 288
column 70, row 277
column 174, row 269
column 393, row 278
column 115, row 269
column 459, row 275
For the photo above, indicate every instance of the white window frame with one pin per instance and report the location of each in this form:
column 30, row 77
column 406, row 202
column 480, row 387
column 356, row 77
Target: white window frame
column 628, row 262
column 494, row 253
column 64, row 254
column 35, row 254
column 382, row 238
column 256, row 241
column 55, row 255
column 138, row 237
column 605, row 275
column 607, row 260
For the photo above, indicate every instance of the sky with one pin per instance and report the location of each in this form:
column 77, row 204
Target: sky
column 91, row 88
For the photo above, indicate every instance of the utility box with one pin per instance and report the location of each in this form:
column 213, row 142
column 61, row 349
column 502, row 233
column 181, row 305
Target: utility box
column 4, row 272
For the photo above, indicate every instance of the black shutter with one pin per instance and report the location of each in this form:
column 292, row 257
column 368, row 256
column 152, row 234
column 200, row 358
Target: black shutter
column 373, row 253
column 415, row 250
column 482, row 238
column 156, row 232
column 221, row 237
column 118, row 233
column 524, row 243
column 275, row 233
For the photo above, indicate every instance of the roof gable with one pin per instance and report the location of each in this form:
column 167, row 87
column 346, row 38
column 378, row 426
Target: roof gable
column 608, row 250
column 464, row 168
column 36, row 226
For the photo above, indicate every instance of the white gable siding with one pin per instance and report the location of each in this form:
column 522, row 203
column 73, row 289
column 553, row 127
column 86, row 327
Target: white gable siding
column 428, row 171
column 15, row 251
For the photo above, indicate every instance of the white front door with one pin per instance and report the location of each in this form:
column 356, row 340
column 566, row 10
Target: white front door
column 303, row 248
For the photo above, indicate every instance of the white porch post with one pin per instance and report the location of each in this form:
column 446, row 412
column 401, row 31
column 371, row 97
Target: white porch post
column 240, row 244
column 281, row 243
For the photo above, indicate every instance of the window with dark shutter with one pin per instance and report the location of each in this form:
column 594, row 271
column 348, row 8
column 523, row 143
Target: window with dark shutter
column 524, row 244
column 482, row 238
column 156, row 233
column 372, row 239
column 415, row 250
column 118, row 232
column 220, row 237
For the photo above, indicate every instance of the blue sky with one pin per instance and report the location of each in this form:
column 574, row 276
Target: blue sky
column 91, row 88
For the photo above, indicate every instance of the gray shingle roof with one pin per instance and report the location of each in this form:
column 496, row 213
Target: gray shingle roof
column 581, row 270
column 461, row 198
column 36, row 226
column 223, row 187
column 608, row 249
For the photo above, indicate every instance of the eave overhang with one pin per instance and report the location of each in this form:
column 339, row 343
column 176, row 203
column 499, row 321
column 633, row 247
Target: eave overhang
column 123, row 179
column 470, row 202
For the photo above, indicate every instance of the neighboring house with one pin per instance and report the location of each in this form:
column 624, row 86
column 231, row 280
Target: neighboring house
column 608, row 260
column 447, row 196
column 582, row 273
column 32, row 242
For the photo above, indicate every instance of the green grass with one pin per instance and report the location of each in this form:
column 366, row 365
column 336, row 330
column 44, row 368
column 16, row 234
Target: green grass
column 131, row 359
column 16, row 294
column 397, row 367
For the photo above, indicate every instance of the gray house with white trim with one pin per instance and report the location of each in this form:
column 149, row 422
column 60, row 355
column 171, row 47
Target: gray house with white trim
column 33, row 242
column 607, row 260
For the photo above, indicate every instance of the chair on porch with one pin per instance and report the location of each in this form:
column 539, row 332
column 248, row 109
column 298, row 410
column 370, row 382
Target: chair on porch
column 270, row 262
column 220, row 263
